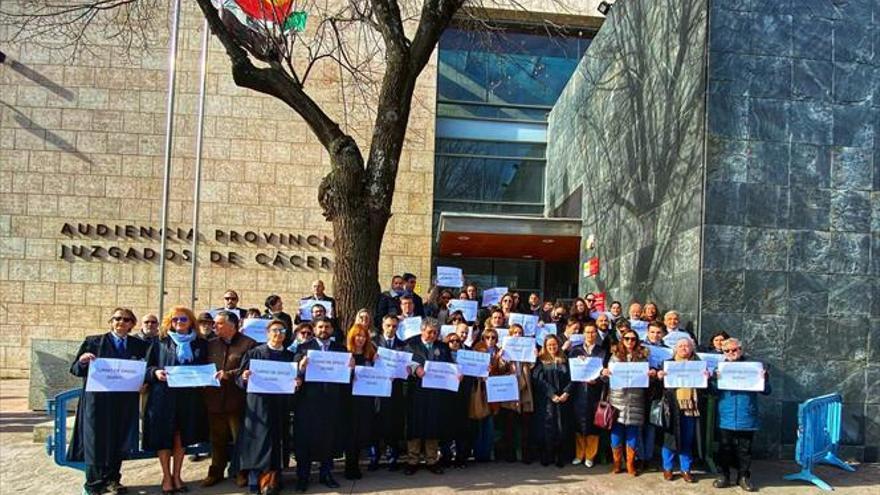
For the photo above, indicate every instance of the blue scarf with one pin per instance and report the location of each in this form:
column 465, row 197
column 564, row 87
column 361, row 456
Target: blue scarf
column 184, row 350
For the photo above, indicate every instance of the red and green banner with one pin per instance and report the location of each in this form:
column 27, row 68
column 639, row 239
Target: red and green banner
column 263, row 15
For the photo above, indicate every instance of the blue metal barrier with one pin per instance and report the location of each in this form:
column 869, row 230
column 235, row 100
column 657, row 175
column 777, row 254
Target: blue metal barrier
column 56, row 444
column 819, row 425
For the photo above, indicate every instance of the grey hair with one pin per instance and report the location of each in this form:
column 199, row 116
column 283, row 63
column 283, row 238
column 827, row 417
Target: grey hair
column 676, row 313
column 230, row 316
column 731, row 341
column 430, row 322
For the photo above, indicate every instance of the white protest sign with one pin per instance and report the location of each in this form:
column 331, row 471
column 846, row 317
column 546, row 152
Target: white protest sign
column 306, row 305
column 255, row 328
column 672, row 338
column 468, row 308
column 747, row 376
column 640, row 327
column 685, row 374
column 446, row 330
column 711, row 359
column 585, row 369
column 472, row 363
column 520, row 349
column 657, row 354
column 271, row 377
column 629, row 375
column 502, row 389
column 528, row 322
column 544, row 331
column 115, row 375
column 493, row 296
column 502, row 334
column 440, row 375
column 371, row 382
column 201, row 375
column 394, row 362
column 409, row 327
column 576, row 339
column 328, row 366
column 448, row 276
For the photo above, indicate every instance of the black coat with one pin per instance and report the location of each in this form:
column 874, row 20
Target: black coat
column 552, row 425
column 106, row 423
column 319, row 432
column 174, row 409
column 427, row 408
column 391, row 415
column 388, row 304
column 361, row 413
column 263, row 443
column 584, row 396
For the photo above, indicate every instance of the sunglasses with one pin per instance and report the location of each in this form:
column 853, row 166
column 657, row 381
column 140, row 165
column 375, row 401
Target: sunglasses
column 123, row 318
column 454, row 341
column 179, row 319
column 230, row 298
column 730, row 351
column 490, row 337
column 629, row 338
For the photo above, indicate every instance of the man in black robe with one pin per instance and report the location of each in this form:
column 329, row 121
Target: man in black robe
column 427, row 407
column 319, row 411
column 392, row 410
column 106, row 422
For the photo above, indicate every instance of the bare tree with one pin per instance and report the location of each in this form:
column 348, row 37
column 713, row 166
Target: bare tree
column 380, row 47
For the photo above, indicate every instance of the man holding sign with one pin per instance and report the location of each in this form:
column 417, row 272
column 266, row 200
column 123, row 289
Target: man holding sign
column 319, row 408
column 105, row 421
column 427, row 409
column 737, row 417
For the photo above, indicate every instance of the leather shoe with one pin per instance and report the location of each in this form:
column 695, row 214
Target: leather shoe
column 410, row 469
column 723, row 481
column 211, row 480
column 745, row 482
column 686, row 476
column 329, row 481
column 302, row 485
column 116, row 487
column 241, row 479
column 436, row 468
column 667, row 475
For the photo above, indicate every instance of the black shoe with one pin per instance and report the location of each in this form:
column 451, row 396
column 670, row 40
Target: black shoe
column 329, row 481
column 410, row 469
column 393, row 466
column 302, row 485
column 436, row 468
column 354, row 474
column 117, row 487
column 745, row 482
column 723, row 481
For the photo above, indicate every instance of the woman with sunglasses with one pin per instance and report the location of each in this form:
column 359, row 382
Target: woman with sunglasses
column 585, row 397
column 738, row 420
column 516, row 416
column 459, row 430
column 479, row 410
column 174, row 417
column 105, row 422
column 629, row 402
column 263, row 444
column 552, row 422
column 304, row 332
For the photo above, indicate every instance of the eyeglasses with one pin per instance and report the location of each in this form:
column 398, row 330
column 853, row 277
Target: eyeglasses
column 629, row 338
column 590, row 300
column 490, row 337
column 233, row 298
column 731, row 351
column 179, row 319
column 123, row 318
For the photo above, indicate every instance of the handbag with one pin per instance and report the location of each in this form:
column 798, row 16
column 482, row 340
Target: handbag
column 606, row 414
column 659, row 414
column 478, row 408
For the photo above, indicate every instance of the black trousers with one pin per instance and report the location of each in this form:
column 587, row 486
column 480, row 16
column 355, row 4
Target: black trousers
column 99, row 476
column 735, row 450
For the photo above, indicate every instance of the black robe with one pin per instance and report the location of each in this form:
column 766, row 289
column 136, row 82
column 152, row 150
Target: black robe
column 552, row 426
column 319, row 432
column 392, row 410
column 263, row 444
column 361, row 411
column 585, row 397
column 106, row 423
column 174, row 409
column 427, row 408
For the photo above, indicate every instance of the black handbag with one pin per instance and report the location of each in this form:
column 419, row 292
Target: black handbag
column 659, row 414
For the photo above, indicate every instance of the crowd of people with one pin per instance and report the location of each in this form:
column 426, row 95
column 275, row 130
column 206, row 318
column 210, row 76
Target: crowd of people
column 555, row 421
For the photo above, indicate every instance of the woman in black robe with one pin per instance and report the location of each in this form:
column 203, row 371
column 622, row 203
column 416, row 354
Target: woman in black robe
column 361, row 409
column 174, row 417
column 262, row 442
column 460, row 431
column 106, row 423
column 585, row 397
column 551, row 387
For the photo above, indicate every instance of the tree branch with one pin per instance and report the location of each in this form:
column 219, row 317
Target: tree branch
column 389, row 23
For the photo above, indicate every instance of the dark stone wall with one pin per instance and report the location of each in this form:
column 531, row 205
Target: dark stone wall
column 792, row 236
column 632, row 136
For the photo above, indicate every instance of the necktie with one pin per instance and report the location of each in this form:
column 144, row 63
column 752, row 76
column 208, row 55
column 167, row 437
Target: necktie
column 120, row 346
column 324, row 346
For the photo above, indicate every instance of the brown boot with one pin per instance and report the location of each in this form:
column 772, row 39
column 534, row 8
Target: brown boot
column 667, row 475
column 617, row 455
column 631, row 461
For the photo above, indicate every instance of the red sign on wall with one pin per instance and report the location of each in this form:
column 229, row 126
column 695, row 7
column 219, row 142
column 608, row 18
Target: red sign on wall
column 593, row 268
column 599, row 303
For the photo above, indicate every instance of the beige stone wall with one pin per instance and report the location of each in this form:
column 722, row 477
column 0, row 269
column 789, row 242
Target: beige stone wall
column 84, row 144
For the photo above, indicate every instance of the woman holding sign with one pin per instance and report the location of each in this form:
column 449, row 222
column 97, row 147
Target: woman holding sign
column 174, row 417
column 460, row 428
column 552, row 428
column 516, row 416
column 738, row 422
column 585, row 396
column 629, row 402
column 684, row 410
column 263, row 441
column 479, row 410
column 106, row 421
column 360, row 408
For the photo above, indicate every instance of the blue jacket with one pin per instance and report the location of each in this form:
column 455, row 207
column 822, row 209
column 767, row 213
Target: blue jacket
column 738, row 410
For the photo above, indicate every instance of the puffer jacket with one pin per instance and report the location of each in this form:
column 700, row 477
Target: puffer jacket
column 737, row 409
column 630, row 402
